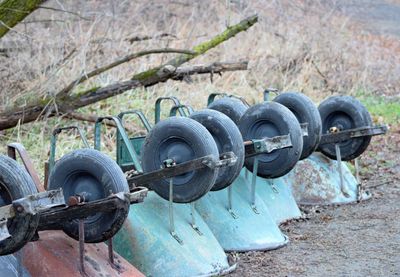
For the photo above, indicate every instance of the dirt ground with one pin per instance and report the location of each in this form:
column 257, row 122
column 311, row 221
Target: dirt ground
column 352, row 240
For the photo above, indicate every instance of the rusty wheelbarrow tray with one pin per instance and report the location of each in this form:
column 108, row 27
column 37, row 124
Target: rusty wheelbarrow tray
column 56, row 248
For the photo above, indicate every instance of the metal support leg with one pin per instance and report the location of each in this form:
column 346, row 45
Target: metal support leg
column 339, row 162
column 171, row 213
column 111, row 252
column 230, row 206
column 273, row 187
column 82, row 247
column 359, row 184
column 193, row 224
column 253, row 186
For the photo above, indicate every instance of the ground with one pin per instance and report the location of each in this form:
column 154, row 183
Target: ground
column 361, row 239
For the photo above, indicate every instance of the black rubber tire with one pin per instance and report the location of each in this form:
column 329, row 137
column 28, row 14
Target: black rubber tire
column 15, row 183
column 228, row 139
column 181, row 139
column 348, row 113
column 305, row 111
column 271, row 119
column 90, row 172
column 231, row 107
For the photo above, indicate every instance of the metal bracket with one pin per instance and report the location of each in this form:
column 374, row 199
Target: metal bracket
column 172, row 169
column 35, row 203
column 339, row 162
column 171, row 213
column 230, row 206
column 193, row 223
column 225, row 159
column 12, row 149
column 137, row 195
column 266, row 145
column 341, row 136
column 273, row 187
column 304, row 129
column 253, row 187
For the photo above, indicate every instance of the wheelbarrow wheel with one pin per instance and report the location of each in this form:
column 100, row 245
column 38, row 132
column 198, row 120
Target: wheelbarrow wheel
column 15, row 183
column 270, row 119
column 344, row 112
column 306, row 112
column 92, row 175
column 232, row 107
column 228, row 139
column 180, row 139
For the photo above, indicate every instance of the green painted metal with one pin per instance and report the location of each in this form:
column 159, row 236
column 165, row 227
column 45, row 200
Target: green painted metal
column 186, row 108
column 240, row 220
column 53, row 142
column 212, row 97
column 124, row 158
column 124, row 137
column 316, row 181
column 146, row 242
column 157, row 109
column 276, row 195
column 163, row 238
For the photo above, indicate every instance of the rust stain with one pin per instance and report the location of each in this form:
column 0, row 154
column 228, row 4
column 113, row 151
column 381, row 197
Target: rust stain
column 56, row 254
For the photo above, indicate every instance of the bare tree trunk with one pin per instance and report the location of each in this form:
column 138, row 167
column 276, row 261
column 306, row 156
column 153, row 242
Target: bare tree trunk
column 14, row 11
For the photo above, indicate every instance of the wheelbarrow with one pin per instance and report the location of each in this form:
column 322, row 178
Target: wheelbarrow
column 27, row 209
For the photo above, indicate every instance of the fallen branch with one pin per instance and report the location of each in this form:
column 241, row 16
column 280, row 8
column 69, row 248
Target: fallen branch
column 215, row 68
column 142, row 38
column 162, row 75
column 67, row 103
column 119, row 61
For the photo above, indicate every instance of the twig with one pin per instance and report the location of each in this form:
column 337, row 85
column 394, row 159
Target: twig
column 61, row 62
column 378, row 185
column 142, row 38
column 119, row 61
column 65, row 11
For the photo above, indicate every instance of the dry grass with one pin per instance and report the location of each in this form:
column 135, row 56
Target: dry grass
column 297, row 45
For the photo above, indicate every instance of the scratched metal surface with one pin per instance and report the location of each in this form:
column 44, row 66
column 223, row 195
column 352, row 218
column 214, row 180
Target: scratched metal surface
column 56, row 254
column 245, row 230
column 145, row 241
column 316, row 181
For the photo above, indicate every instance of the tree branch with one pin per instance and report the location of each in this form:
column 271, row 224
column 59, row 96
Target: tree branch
column 163, row 74
column 120, row 61
column 67, row 103
column 14, row 11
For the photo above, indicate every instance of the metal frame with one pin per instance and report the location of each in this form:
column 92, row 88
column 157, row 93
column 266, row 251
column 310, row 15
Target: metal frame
column 186, row 108
column 212, row 97
column 341, row 136
column 157, row 109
